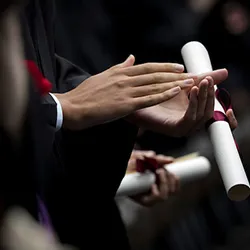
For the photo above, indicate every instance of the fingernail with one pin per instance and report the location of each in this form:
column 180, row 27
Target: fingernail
column 189, row 81
column 176, row 90
column 158, row 171
column 179, row 67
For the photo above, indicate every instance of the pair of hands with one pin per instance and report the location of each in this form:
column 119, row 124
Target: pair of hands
column 152, row 95
column 121, row 90
column 168, row 183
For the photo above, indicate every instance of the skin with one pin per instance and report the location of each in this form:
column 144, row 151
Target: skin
column 168, row 183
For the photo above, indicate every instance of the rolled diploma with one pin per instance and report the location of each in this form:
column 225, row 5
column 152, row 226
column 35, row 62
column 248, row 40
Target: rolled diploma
column 196, row 59
column 188, row 170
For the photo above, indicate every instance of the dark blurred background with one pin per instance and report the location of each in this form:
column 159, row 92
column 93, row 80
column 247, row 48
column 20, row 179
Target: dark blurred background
column 96, row 34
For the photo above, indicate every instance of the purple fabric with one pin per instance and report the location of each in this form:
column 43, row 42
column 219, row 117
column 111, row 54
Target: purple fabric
column 43, row 215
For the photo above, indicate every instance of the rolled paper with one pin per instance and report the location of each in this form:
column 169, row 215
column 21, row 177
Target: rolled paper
column 186, row 170
column 197, row 60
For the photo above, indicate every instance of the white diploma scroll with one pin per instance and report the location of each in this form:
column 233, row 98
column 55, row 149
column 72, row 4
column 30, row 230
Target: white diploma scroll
column 196, row 59
column 187, row 170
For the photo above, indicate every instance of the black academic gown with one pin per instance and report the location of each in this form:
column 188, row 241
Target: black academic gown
column 85, row 168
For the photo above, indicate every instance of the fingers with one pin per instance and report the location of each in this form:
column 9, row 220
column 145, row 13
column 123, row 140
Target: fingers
column 168, row 184
column 149, row 68
column 173, row 183
column 160, row 87
column 151, row 100
column 154, row 78
column 218, row 76
column 232, row 119
column 152, row 198
column 162, row 159
column 140, row 154
column 202, row 98
column 163, row 183
column 159, row 192
column 209, row 110
column 127, row 63
column 148, row 154
column 190, row 115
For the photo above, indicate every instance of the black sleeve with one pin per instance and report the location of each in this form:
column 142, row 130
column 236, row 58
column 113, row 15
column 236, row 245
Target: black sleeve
column 69, row 76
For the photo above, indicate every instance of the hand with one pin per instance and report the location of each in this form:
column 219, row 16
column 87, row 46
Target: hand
column 181, row 115
column 168, row 183
column 121, row 90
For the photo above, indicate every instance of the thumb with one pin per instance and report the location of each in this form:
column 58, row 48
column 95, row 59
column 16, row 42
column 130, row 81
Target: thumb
column 128, row 62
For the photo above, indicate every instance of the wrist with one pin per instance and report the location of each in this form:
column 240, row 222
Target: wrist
column 67, row 109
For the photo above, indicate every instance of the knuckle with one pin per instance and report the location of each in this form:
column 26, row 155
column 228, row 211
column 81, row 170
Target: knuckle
column 184, row 76
column 191, row 119
column 199, row 116
column 150, row 99
column 158, row 77
column 148, row 67
column 121, row 83
column 169, row 66
column 115, row 70
column 164, row 96
column 175, row 84
column 159, row 98
column 155, row 88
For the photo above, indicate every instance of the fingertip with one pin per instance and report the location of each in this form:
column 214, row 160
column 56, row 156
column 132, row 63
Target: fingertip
column 232, row 119
column 179, row 68
column 176, row 90
column 164, row 159
column 204, row 82
column 150, row 153
column 160, row 171
column 131, row 57
column 155, row 190
column 210, row 81
column 194, row 92
column 129, row 61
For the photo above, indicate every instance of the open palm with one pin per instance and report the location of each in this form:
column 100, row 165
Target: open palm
column 186, row 112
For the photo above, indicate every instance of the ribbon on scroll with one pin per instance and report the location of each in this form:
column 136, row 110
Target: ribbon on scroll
column 225, row 100
column 148, row 164
column 185, row 168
